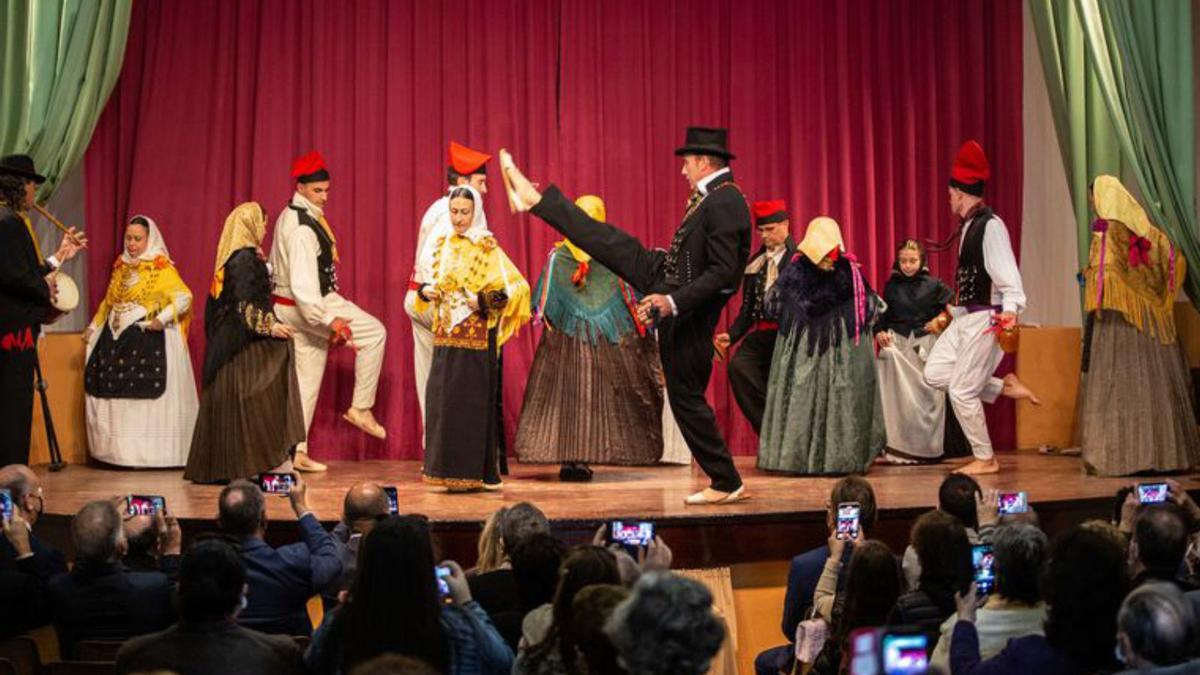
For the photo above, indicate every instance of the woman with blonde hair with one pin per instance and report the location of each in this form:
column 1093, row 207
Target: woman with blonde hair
column 491, row 553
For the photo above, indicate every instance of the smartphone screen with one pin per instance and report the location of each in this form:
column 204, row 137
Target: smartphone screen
column 1152, row 493
column 864, row 651
column 145, row 505
column 847, row 520
column 441, row 572
column 276, row 483
column 1013, row 502
column 6, row 505
column 904, row 653
column 633, row 535
column 393, row 499
column 984, row 559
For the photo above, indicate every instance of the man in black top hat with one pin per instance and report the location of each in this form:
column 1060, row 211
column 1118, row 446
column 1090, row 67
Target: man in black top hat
column 686, row 286
column 25, row 296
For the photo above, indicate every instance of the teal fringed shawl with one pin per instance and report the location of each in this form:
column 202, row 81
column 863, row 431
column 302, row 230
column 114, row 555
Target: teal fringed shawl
column 596, row 309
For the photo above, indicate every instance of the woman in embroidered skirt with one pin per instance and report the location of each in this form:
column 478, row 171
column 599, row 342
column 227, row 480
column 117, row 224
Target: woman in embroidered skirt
column 479, row 301
column 823, row 414
column 141, row 395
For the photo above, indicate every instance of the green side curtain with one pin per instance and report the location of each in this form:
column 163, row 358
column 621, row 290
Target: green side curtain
column 1120, row 79
column 1143, row 57
column 61, row 59
column 1086, row 137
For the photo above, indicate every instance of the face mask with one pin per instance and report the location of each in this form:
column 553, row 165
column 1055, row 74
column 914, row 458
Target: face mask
column 1118, row 654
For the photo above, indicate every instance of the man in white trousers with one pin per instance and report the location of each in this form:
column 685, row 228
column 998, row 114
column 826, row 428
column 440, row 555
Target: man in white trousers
column 304, row 261
column 988, row 298
column 466, row 167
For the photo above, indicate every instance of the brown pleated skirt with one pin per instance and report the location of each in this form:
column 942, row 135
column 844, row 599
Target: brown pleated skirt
column 1135, row 411
column 593, row 403
column 250, row 416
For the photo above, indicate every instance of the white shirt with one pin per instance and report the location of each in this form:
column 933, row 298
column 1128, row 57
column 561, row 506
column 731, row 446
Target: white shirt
column 294, row 252
column 1001, row 265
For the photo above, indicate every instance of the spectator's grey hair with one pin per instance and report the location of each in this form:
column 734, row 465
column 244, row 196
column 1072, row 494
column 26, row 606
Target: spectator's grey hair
column 666, row 627
column 96, row 532
column 1159, row 622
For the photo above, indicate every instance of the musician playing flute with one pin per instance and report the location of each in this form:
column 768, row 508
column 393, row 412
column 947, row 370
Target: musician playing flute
column 27, row 289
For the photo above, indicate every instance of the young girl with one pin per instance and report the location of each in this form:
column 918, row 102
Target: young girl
column 913, row 412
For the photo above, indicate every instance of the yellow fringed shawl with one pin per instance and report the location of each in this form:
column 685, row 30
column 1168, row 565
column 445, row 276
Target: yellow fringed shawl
column 155, row 288
column 1144, row 293
column 463, row 265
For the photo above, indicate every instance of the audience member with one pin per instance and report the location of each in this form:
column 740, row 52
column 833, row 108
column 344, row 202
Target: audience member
column 490, row 554
column 207, row 639
column 806, row 568
column 363, row 506
column 394, row 607
column 1015, row 607
column 100, row 599
column 1158, row 546
column 666, row 627
column 872, row 586
column 547, row 645
column 1085, row 582
column 148, row 543
column 960, row 496
column 29, row 501
column 496, row 591
column 281, row 580
column 590, row 611
column 944, row 554
column 1156, row 627
column 393, row 664
column 20, row 586
column 535, row 563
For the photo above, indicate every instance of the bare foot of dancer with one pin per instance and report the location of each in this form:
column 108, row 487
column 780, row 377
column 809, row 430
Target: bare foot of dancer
column 980, row 467
column 1016, row 390
column 522, row 196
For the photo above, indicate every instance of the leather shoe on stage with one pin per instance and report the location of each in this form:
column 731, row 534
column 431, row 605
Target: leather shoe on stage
column 363, row 419
column 302, row 462
column 709, row 496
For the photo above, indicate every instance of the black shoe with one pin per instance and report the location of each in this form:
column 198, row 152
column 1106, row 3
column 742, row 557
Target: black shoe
column 574, row 472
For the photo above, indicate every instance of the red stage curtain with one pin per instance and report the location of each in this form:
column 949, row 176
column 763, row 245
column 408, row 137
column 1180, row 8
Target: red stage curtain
column 852, row 109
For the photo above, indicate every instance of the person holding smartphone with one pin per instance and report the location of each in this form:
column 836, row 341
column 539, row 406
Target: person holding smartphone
column 395, row 605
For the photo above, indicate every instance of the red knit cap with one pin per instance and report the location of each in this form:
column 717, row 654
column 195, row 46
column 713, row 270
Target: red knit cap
column 971, row 169
column 771, row 211
column 310, row 168
column 466, row 161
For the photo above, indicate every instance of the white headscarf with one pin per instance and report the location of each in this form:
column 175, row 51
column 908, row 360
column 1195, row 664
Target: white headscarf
column 440, row 235
column 155, row 246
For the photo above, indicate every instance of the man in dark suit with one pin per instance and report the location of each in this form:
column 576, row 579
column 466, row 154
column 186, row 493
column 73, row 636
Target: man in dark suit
column 28, row 501
column 685, row 287
column 100, row 599
column 281, row 580
column 21, row 589
column 755, row 327
column 207, row 639
column 805, row 571
column 25, row 296
column 364, row 505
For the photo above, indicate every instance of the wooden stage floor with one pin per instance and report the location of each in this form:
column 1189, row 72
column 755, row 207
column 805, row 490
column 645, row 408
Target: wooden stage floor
column 784, row 515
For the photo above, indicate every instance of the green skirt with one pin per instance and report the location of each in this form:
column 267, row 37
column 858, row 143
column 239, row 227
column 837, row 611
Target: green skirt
column 824, row 414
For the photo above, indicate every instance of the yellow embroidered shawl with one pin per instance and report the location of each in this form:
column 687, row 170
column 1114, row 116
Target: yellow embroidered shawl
column 464, row 265
column 1141, row 286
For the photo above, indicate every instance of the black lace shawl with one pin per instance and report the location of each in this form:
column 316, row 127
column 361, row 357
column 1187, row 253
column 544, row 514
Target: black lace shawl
column 820, row 303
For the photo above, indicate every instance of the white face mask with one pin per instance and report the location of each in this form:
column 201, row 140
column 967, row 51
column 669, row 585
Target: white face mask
column 242, row 603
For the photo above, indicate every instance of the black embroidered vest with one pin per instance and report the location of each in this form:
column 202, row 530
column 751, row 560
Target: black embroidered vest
column 972, row 283
column 326, row 270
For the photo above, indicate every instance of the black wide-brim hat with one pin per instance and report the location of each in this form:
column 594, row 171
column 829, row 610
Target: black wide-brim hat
column 20, row 165
column 706, row 141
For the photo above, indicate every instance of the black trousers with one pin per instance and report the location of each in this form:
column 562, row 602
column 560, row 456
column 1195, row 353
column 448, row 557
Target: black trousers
column 685, row 344
column 16, row 405
column 748, row 371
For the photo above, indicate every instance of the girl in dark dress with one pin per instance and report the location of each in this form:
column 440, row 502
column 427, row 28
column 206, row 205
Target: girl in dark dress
column 250, row 415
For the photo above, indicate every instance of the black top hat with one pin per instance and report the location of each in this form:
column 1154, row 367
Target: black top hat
column 705, row 141
column 20, row 165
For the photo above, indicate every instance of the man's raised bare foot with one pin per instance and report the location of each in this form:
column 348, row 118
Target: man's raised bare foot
column 1016, row 390
column 980, row 467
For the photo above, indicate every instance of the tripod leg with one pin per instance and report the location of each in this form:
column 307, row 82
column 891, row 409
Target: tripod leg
column 56, row 460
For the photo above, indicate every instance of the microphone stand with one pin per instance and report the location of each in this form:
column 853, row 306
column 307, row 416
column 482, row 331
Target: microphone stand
column 56, row 460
